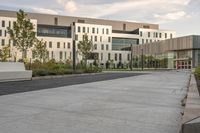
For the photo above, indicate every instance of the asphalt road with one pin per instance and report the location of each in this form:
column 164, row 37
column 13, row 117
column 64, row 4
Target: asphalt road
column 33, row 85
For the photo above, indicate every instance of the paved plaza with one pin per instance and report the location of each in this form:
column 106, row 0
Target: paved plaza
column 148, row 103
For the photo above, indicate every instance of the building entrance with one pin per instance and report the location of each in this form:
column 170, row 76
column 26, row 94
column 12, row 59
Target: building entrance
column 183, row 64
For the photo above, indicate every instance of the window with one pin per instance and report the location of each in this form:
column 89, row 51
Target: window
column 9, row 42
column 101, row 56
column 160, row 35
column 5, row 33
column 93, row 30
column 88, row 29
column 70, row 55
column 97, row 31
column 61, row 55
column 95, row 39
column 140, row 33
column 120, row 57
column 146, row 26
column 3, row 23
column 76, row 37
column 115, row 57
column 9, row 24
column 56, row 21
column 79, row 29
column 53, row 31
column 100, row 38
column 47, row 54
column 50, row 44
column 58, row 44
column 109, row 56
column 64, row 45
column 171, row 36
column 45, row 44
column 107, row 31
column 102, row 46
column 124, row 27
column 95, row 46
column 91, row 38
column 83, row 29
column 156, row 35
column 149, row 34
column 109, row 39
column 68, row 45
column 65, row 55
column 128, row 57
column 142, row 41
column 81, row 21
column 52, row 55
column 103, row 31
column 107, row 46
column 0, row 32
column 3, row 42
column 165, row 35
column 147, row 40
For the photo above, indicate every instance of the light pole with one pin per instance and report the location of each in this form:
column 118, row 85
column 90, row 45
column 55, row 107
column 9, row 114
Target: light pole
column 142, row 60
column 131, row 63
column 74, row 48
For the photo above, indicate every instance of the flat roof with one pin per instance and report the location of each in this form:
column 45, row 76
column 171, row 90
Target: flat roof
column 48, row 19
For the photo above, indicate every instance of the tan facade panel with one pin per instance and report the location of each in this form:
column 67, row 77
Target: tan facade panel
column 68, row 20
column 174, row 44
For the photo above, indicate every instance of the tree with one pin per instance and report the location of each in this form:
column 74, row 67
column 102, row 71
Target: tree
column 5, row 53
column 85, row 48
column 40, row 50
column 22, row 33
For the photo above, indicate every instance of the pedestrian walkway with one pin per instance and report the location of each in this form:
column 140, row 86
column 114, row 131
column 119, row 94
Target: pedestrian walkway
column 148, row 103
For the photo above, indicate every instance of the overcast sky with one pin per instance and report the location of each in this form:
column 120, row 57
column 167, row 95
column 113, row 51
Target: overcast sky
column 180, row 15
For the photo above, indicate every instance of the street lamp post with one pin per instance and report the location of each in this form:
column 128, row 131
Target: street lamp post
column 74, row 49
column 142, row 60
column 131, row 63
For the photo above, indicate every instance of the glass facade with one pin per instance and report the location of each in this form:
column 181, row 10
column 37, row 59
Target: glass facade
column 120, row 43
column 54, row 31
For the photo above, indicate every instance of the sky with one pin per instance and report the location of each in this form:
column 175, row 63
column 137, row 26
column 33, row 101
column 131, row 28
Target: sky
column 183, row 16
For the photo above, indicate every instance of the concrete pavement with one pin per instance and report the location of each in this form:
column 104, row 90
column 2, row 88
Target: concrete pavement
column 141, row 104
column 59, row 81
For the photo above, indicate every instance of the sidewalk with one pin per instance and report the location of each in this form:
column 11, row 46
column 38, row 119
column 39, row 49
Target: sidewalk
column 141, row 104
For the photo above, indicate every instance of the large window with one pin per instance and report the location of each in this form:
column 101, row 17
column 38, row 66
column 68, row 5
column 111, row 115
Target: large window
column 120, row 43
column 54, row 31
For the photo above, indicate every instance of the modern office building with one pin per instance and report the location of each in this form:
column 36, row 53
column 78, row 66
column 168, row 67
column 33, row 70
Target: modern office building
column 110, row 38
column 175, row 53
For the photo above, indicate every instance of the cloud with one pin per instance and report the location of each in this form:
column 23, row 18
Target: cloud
column 69, row 5
column 44, row 10
column 128, row 7
column 172, row 16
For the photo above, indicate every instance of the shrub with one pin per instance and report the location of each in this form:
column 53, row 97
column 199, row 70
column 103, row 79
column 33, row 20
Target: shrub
column 40, row 72
column 197, row 72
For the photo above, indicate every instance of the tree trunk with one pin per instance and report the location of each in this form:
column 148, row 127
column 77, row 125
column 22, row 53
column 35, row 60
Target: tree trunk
column 24, row 55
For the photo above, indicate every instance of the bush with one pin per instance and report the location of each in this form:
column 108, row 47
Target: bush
column 40, row 72
column 92, row 70
column 197, row 72
column 53, row 68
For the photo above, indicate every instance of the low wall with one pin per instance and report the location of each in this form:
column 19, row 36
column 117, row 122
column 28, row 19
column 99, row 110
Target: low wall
column 13, row 71
column 191, row 117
